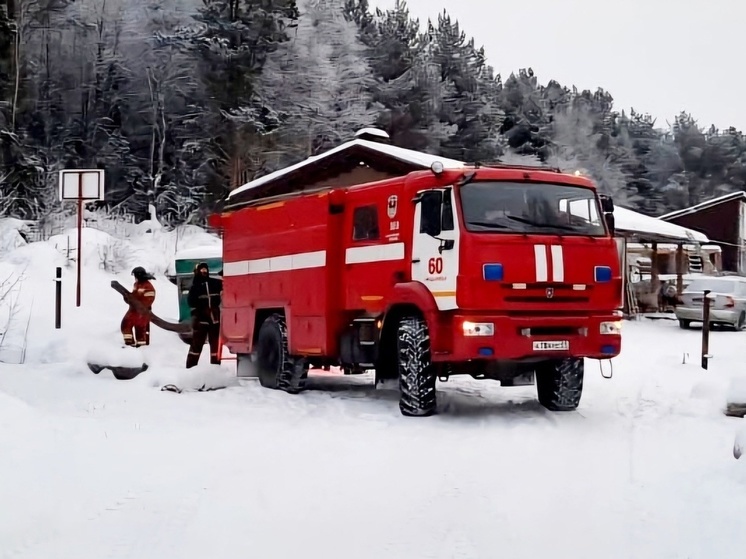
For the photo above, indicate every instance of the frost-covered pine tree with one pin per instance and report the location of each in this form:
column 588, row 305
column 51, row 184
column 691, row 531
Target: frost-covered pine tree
column 470, row 94
column 319, row 81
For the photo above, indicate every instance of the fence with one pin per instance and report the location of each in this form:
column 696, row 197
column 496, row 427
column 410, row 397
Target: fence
column 44, row 229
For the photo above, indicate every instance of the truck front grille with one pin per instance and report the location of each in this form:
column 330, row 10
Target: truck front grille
column 544, row 299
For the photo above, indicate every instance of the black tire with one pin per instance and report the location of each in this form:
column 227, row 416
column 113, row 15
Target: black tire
column 738, row 326
column 277, row 369
column 684, row 324
column 128, row 373
column 416, row 374
column 559, row 383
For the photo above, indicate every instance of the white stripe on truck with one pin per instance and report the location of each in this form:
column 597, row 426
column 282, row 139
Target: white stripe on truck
column 317, row 259
column 374, row 253
column 285, row 263
column 542, row 266
column 540, row 261
column 558, row 264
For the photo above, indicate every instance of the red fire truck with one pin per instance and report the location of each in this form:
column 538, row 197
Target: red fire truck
column 498, row 272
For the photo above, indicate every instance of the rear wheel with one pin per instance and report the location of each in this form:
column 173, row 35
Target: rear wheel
column 416, row 373
column 277, row 369
column 559, row 383
column 684, row 324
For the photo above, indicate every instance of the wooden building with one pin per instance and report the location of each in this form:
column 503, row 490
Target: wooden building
column 723, row 220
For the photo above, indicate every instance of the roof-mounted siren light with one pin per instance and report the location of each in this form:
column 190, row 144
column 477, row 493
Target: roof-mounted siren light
column 373, row 135
column 437, row 168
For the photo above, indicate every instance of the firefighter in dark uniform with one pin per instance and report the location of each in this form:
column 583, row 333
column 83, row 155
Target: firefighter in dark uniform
column 144, row 292
column 204, row 299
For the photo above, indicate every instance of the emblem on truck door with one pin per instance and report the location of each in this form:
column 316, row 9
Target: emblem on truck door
column 391, row 206
column 550, row 292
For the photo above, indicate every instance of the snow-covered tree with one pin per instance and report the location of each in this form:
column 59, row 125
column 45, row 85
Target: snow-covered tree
column 320, row 81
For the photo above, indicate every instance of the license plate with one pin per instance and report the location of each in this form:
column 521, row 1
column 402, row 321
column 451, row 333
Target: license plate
column 560, row 345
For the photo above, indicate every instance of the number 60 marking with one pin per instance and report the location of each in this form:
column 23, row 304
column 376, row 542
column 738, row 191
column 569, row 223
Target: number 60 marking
column 435, row 265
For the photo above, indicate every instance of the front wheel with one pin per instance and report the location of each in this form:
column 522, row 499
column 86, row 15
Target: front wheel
column 559, row 383
column 416, row 373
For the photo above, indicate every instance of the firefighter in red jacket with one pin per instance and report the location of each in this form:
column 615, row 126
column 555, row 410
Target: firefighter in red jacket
column 144, row 292
column 204, row 299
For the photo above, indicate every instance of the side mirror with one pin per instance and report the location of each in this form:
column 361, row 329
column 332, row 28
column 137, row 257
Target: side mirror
column 610, row 223
column 430, row 212
column 607, row 204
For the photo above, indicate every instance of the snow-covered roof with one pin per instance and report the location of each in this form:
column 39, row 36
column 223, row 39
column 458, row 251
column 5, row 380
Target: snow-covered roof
column 205, row 251
column 377, row 132
column 641, row 224
column 674, row 246
column 706, row 204
column 415, row 158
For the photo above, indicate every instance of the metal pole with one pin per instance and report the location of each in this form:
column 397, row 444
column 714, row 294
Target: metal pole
column 705, row 329
column 58, row 299
column 80, row 226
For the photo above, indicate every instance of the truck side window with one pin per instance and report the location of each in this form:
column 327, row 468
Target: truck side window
column 447, row 219
column 365, row 223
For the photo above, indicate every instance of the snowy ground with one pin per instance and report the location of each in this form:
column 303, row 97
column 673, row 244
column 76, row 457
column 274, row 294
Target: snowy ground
column 92, row 467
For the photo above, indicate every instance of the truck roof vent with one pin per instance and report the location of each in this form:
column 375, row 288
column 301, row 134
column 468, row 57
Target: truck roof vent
column 373, row 135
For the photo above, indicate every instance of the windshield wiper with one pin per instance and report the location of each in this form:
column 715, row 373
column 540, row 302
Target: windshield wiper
column 537, row 224
column 489, row 224
column 466, row 179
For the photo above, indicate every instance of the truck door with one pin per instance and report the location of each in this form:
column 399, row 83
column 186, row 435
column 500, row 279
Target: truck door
column 435, row 245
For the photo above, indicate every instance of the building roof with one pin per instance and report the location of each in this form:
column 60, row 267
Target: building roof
column 413, row 160
column 651, row 229
column 704, row 205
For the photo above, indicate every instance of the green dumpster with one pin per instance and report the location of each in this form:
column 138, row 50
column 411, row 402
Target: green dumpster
column 184, row 264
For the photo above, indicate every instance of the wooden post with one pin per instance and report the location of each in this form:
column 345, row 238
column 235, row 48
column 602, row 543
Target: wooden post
column 705, row 329
column 679, row 269
column 58, row 299
column 654, row 281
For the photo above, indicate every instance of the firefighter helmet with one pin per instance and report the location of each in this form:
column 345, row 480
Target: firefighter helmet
column 141, row 274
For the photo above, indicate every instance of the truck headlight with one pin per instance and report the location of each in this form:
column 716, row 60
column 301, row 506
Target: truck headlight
column 478, row 328
column 611, row 327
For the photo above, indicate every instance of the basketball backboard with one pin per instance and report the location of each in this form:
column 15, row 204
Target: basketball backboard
column 89, row 181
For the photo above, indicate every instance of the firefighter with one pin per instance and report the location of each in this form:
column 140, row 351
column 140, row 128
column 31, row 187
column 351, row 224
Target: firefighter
column 204, row 299
column 144, row 292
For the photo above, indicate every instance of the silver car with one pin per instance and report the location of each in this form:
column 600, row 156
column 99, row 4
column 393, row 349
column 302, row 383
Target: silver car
column 727, row 301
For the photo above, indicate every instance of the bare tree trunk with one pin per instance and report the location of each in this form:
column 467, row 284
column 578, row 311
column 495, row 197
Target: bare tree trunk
column 16, row 56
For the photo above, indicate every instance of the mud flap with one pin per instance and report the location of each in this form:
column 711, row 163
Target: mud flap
column 120, row 373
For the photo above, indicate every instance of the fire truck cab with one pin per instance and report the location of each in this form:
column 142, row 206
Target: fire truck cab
column 499, row 272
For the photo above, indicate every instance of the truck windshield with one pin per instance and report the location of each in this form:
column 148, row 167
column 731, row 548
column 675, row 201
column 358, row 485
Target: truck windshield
column 525, row 207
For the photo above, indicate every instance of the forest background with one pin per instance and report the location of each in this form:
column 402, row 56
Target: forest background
column 182, row 100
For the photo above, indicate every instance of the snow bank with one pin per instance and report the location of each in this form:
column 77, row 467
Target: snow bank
column 154, row 249
column 737, row 390
column 12, row 233
column 110, row 353
column 204, row 376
